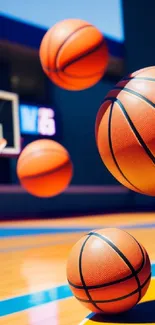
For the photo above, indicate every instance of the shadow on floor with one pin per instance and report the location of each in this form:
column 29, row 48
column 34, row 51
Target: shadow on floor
column 141, row 313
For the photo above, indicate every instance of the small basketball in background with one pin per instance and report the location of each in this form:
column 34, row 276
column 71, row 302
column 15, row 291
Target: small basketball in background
column 3, row 144
column 74, row 54
column 44, row 168
column 108, row 271
column 125, row 131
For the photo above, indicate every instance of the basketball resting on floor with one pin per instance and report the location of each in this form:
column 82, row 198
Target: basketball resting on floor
column 108, row 271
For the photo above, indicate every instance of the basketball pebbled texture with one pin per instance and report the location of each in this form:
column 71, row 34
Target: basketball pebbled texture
column 108, row 271
column 73, row 54
column 44, row 168
column 125, row 131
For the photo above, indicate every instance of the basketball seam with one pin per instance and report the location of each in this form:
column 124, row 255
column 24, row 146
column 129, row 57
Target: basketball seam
column 50, row 171
column 143, row 261
column 82, row 278
column 140, row 71
column 119, row 298
column 58, row 75
column 111, row 147
column 124, row 258
column 61, row 45
column 61, row 70
column 136, row 133
column 119, row 280
column 67, row 38
column 135, row 93
column 142, row 252
column 107, row 284
column 83, row 55
column 73, row 76
column 138, row 78
column 77, row 58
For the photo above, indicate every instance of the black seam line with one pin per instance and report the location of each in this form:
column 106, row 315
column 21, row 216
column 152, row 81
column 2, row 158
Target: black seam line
column 103, row 285
column 124, row 258
column 111, row 147
column 136, row 133
column 75, row 76
column 143, row 257
column 67, row 38
column 82, row 278
column 142, row 252
column 81, row 56
column 120, row 298
column 48, row 62
column 139, row 78
column 116, row 281
column 58, row 75
column 50, row 171
column 133, row 92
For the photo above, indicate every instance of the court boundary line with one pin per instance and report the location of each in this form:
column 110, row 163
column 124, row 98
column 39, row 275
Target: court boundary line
column 50, row 302
column 63, row 230
column 17, row 248
column 25, row 294
column 45, row 303
column 37, row 306
column 33, row 293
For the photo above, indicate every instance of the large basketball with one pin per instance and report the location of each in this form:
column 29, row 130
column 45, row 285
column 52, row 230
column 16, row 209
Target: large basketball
column 108, row 271
column 74, row 54
column 125, row 131
column 44, row 168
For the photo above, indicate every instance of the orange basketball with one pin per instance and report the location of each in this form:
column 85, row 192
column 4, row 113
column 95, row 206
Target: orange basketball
column 108, row 271
column 125, row 131
column 44, row 168
column 74, row 54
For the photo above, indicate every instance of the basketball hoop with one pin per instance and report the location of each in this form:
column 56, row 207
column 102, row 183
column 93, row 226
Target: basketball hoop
column 3, row 144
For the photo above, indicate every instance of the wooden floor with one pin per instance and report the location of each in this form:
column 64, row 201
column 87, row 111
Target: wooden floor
column 34, row 290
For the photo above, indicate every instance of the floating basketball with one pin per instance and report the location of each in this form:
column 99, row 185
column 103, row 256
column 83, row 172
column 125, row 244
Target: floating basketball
column 108, row 271
column 125, row 131
column 44, row 168
column 74, row 54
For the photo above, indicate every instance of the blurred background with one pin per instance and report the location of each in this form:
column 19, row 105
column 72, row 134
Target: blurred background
column 46, row 111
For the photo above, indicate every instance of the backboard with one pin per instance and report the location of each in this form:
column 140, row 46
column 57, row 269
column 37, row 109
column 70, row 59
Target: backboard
column 9, row 123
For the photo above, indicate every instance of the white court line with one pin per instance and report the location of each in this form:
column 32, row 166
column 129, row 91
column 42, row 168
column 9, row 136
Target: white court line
column 85, row 320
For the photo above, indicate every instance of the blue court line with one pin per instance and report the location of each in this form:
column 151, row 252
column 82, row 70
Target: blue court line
column 16, row 232
column 21, row 303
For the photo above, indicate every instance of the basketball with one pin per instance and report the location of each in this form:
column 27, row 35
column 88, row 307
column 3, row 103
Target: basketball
column 125, row 131
column 44, row 168
column 73, row 54
column 108, row 271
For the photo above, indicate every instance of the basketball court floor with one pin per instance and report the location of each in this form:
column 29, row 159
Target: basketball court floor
column 33, row 254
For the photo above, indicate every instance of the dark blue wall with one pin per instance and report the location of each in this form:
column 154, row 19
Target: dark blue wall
column 78, row 112
column 139, row 24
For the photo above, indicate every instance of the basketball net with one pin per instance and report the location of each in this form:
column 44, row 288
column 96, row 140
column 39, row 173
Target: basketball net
column 3, row 143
